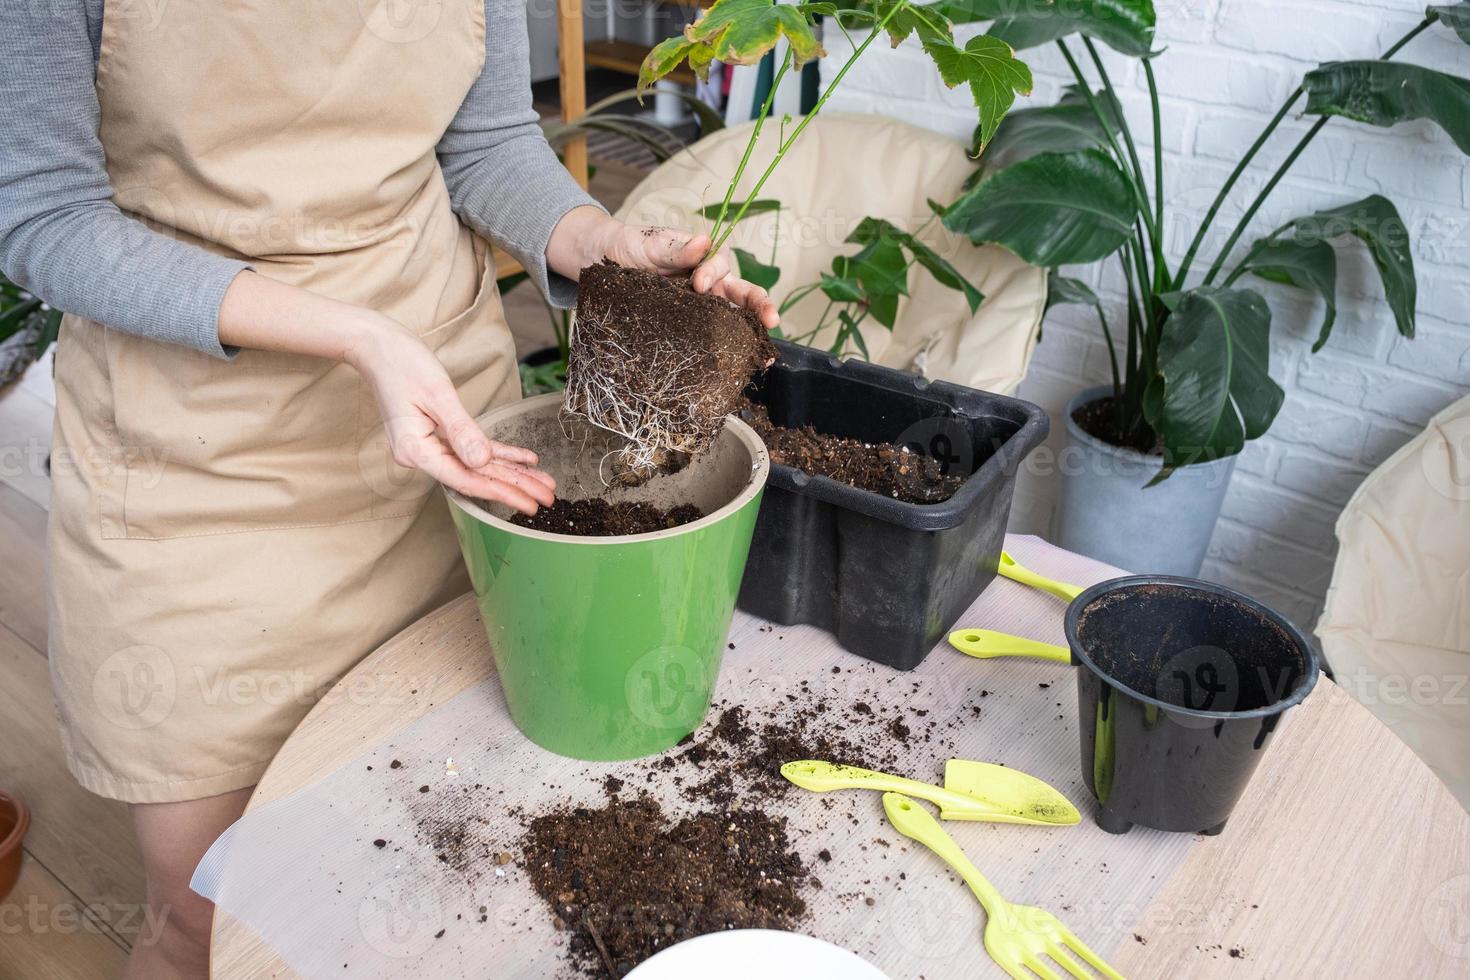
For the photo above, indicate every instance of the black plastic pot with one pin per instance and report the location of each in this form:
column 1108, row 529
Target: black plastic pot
column 1180, row 685
column 888, row 578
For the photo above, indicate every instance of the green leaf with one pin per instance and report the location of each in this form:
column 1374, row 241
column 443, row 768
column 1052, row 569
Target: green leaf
column 737, row 32
column 1376, row 222
column 851, row 332
column 1455, row 16
column 883, row 271
column 904, row 18
column 872, row 229
column 1214, row 390
column 1062, row 290
column 664, row 58
column 1124, row 25
column 1306, row 264
column 842, row 289
column 1068, row 125
column 1384, row 93
column 991, row 69
column 761, row 205
column 1053, row 209
column 754, row 270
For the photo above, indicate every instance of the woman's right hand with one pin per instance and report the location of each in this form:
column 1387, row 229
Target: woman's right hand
column 429, row 429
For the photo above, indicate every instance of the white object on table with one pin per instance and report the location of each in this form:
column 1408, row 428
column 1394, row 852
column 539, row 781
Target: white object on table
column 766, row 953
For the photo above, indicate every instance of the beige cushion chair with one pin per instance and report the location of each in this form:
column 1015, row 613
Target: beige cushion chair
column 1396, row 629
column 842, row 169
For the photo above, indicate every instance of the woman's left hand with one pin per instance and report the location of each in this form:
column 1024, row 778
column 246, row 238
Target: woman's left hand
column 669, row 252
column 586, row 235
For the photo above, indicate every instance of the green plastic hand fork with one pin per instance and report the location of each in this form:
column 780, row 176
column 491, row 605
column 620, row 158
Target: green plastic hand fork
column 1022, row 939
column 993, row 643
column 1016, row 572
column 971, row 790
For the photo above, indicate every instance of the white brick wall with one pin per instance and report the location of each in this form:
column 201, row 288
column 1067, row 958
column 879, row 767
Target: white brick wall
column 1228, row 65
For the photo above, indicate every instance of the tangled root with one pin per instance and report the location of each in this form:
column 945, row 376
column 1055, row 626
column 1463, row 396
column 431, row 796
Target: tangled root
column 644, row 395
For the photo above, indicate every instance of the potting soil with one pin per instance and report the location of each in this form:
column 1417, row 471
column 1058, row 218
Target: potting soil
column 596, row 517
column 885, row 468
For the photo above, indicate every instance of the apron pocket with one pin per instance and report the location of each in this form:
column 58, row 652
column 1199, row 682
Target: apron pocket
column 212, row 447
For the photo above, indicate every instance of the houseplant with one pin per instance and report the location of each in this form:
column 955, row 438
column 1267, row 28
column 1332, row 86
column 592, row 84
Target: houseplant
column 1064, row 185
column 610, row 380
column 27, row 327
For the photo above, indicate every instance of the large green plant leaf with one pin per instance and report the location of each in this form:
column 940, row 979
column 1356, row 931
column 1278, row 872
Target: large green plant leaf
column 1455, row 16
column 1125, row 25
column 1053, row 209
column 1376, row 222
column 1214, row 390
column 1387, row 92
column 1304, row 263
column 1069, row 125
column 991, row 69
column 737, row 32
column 875, row 229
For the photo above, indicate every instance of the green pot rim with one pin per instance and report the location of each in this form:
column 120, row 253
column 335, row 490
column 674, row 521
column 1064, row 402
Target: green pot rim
column 759, row 471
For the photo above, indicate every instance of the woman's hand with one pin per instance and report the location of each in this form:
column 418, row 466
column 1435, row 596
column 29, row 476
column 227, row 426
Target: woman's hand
column 429, row 429
column 585, row 235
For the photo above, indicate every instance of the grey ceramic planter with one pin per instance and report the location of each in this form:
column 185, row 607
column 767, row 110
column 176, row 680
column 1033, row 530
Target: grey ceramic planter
column 1106, row 513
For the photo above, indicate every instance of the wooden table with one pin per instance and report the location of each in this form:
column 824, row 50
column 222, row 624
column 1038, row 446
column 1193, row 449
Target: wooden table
column 1356, row 858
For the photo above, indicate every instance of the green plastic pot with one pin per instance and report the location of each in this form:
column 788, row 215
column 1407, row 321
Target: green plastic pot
column 609, row 648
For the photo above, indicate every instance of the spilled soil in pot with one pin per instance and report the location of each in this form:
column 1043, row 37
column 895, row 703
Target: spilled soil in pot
column 885, row 468
column 596, row 517
column 1099, row 419
column 658, row 363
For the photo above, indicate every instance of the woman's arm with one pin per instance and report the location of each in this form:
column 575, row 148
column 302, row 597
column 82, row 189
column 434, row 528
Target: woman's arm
column 61, row 237
column 427, row 425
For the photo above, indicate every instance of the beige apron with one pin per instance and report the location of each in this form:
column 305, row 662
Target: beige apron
column 228, row 539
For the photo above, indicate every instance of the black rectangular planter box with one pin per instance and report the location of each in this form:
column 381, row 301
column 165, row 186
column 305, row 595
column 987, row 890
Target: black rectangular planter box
column 887, row 578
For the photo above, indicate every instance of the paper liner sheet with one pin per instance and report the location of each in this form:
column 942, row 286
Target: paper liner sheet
column 305, row 875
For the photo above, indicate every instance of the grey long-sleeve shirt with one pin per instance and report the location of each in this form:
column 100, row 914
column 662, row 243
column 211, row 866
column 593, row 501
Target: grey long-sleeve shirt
column 59, row 228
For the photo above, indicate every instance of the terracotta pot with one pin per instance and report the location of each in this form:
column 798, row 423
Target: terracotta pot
column 15, row 820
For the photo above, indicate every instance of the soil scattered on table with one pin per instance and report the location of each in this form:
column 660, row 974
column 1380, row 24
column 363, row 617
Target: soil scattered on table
column 596, row 517
column 717, row 783
column 892, row 470
column 626, row 881
column 657, row 362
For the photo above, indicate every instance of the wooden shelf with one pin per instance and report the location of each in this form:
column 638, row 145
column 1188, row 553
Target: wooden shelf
column 626, row 57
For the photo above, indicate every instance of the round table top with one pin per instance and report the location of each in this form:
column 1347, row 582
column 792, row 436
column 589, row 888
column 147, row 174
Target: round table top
column 1356, row 857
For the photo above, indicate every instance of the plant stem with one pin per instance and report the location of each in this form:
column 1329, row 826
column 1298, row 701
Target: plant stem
column 1250, row 212
column 755, row 135
column 784, row 147
column 1139, row 179
column 1250, row 154
column 1161, row 281
column 1134, row 176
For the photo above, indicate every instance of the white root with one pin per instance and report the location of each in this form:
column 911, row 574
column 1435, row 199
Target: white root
column 642, row 397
